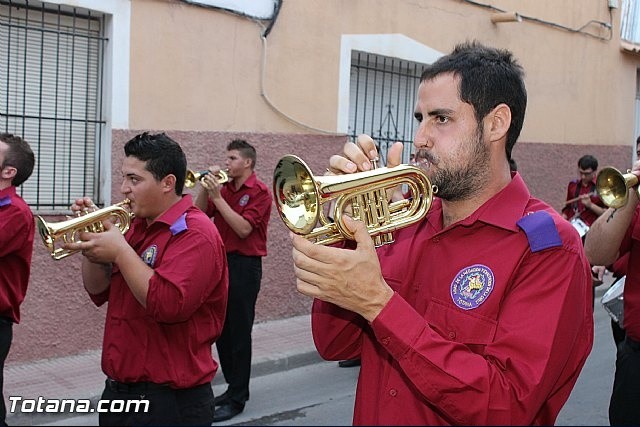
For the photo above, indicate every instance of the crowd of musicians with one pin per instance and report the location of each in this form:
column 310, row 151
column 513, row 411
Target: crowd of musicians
column 478, row 311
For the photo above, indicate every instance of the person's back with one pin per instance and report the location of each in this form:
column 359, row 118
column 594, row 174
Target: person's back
column 16, row 240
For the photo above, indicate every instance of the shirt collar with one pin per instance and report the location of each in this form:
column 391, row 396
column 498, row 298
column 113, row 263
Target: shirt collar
column 250, row 182
column 503, row 210
column 173, row 214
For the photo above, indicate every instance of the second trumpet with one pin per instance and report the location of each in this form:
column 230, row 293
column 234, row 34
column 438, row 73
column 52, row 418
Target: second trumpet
column 613, row 186
column 195, row 176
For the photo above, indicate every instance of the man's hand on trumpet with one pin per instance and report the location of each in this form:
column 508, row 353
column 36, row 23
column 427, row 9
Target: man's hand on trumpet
column 210, row 182
column 351, row 279
column 100, row 248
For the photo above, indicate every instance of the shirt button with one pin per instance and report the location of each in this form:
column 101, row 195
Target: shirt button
column 393, row 392
column 452, row 334
column 385, row 341
column 435, row 239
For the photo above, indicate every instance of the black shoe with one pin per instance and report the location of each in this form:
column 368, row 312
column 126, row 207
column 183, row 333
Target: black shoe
column 220, row 400
column 227, row 411
column 349, row 363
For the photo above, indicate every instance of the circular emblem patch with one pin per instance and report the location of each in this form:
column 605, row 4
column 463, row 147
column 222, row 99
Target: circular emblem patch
column 244, row 200
column 472, row 286
column 149, row 255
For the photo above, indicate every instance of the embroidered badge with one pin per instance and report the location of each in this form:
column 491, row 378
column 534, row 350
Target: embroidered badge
column 149, row 255
column 244, row 200
column 472, row 286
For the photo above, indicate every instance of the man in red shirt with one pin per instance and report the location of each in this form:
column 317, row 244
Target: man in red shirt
column 583, row 201
column 166, row 285
column 16, row 242
column 240, row 209
column 480, row 313
column 612, row 237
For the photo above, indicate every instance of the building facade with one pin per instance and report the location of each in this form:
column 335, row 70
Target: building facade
column 79, row 78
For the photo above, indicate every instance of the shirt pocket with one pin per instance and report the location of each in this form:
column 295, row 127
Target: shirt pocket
column 465, row 327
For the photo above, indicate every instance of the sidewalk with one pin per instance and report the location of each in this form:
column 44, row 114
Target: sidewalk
column 277, row 346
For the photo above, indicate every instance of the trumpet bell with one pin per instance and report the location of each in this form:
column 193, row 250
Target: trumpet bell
column 613, row 186
column 300, row 200
column 296, row 195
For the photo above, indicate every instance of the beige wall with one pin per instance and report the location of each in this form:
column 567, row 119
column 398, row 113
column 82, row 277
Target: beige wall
column 194, row 68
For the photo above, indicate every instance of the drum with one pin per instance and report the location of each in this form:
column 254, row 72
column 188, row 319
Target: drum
column 580, row 226
column 613, row 301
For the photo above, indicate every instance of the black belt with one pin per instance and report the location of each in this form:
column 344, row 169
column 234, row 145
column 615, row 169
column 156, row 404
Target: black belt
column 632, row 344
column 134, row 388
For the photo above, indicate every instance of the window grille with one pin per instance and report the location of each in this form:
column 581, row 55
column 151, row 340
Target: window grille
column 51, row 72
column 382, row 100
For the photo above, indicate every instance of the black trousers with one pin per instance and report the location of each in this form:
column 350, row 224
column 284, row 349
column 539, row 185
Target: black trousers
column 234, row 344
column 189, row 407
column 624, row 407
column 6, row 335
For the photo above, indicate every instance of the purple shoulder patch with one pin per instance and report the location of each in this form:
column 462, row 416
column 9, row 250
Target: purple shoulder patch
column 180, row 225
column 541, row 231
column 5, row 201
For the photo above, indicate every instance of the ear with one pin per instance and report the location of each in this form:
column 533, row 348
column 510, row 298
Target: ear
column 498, row 122
column 168, row 183
column 9, row 172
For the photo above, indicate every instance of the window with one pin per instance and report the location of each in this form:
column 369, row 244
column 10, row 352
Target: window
column 630, row 21
column 51, row 78
column 382, row 99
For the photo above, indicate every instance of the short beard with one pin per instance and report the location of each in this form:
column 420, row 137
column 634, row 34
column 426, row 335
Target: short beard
column 464, row 181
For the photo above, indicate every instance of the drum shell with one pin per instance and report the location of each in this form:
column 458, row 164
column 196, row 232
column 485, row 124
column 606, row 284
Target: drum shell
column 613, row 301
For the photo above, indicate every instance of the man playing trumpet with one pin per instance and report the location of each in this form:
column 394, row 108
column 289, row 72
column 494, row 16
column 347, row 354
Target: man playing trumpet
column 479, row 314
column 582, row 201
column 240, row 209
column 166, row 285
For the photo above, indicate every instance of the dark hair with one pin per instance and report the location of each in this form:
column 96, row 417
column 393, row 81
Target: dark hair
column 20, row 156
column 638, row 140
column 246, row 150
column 488, row 77
column 588, row 162
column 163, row 156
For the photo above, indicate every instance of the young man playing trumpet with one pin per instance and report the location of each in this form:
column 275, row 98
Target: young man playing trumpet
column 479, row 313
column 240, row 209
column 166, row 284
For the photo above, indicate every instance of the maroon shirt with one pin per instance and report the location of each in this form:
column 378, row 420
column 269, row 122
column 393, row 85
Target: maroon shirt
column 253, row 201
column 584, row 213
column 17, row 230
column 170, row 341
column 631, row 245
column 484, row 327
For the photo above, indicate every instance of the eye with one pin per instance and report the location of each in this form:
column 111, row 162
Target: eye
column 442, row 119
column 418, row 117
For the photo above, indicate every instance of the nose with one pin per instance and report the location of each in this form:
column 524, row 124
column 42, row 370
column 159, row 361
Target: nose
column 124, row 187
column 421, row 138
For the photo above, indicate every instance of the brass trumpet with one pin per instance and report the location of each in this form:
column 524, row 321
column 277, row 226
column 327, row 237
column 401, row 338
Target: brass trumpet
column 67, row 231
column 192, row 177
column 300, row 198
column 613, row 186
